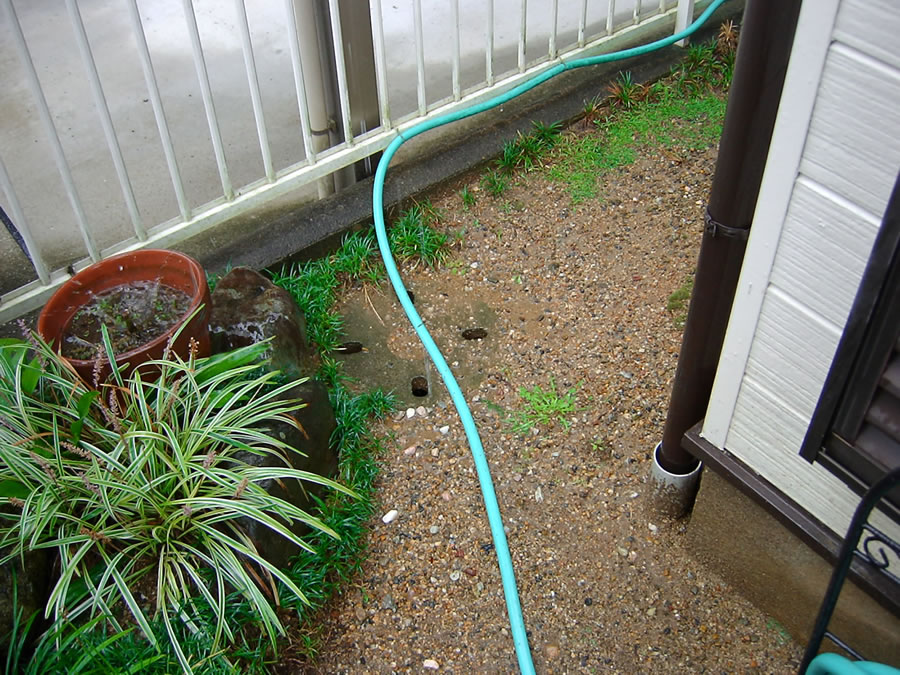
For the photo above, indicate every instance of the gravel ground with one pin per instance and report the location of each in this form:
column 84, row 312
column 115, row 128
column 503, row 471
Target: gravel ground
column 580, row 297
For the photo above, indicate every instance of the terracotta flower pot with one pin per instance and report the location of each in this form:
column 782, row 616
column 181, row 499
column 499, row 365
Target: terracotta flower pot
column 168, row 268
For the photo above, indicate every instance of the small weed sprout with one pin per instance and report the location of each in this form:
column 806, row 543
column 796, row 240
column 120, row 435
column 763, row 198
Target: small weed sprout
column 413, row 236
column 727, row 40
column 468, row 197
column 677, row 304
column 495, row 183
column 543, row 407
column 593, row 110
column 625, row 92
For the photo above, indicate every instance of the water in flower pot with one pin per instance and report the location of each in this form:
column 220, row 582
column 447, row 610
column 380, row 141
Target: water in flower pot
column 134, row 314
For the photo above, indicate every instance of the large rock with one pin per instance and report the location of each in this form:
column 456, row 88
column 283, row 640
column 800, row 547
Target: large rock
column 248, row 308
column 313, row 453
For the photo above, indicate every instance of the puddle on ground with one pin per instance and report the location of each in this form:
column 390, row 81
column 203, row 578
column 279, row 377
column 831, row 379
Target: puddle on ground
column 394, row 357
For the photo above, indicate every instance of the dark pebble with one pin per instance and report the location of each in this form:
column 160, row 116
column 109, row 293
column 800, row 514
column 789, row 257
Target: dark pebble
column 588, row 602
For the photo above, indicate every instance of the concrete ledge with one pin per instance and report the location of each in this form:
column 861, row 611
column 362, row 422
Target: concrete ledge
column 780, row 573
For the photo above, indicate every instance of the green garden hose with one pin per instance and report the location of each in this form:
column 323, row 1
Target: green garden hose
column 514, row 609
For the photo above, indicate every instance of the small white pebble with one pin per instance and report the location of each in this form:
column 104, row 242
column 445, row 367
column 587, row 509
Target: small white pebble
column 430, row 664
column 390, row 516
column 454, row 575
column 420, row 411
column 435, row 452
column 434, row 529
column 410, row 413
column 411, row 450
column 653, row 528
column 444, row 430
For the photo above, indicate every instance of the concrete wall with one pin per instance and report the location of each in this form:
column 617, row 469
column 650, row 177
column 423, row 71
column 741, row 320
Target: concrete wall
column 833, row 162
column 779, row 573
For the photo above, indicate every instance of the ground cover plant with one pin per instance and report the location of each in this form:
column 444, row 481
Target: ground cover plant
column 143, row 483
column 206, row 631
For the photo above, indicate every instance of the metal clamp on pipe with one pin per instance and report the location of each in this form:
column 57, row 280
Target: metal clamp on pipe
column 716, row 229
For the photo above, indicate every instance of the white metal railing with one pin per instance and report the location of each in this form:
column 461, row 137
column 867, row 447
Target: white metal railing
column 160, row 216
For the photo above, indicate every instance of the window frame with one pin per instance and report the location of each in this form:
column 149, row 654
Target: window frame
column 868, row 343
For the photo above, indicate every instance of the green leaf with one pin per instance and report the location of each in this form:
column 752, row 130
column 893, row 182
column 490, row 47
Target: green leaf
column 31, row 375
column 222, row 363
column 13, row 488
column 85, row 401
column 76, row 430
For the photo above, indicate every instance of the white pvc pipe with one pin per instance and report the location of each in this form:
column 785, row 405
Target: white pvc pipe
column 672, row 494
column 253, row 83
column 206, row 92
column 313, row 88
column 158, row 111
column 683, row 17
column 50, row 129
column 610, row 17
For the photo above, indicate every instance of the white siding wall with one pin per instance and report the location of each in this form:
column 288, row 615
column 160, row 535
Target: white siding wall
column 834, row 159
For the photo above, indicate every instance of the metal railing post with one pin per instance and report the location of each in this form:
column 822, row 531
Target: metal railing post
column 683, row 18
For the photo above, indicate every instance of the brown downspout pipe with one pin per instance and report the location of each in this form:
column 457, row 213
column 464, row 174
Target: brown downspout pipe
column 767, row 35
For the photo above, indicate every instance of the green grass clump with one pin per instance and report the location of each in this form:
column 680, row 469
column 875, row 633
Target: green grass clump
column 684, row 110
column 495, row 183
column 678, row 301
column 625, row 92
column 580, row 160
column 525, row 151
column 468, row 197
column 413, row 236
column 314, row 284
column 543, row 407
